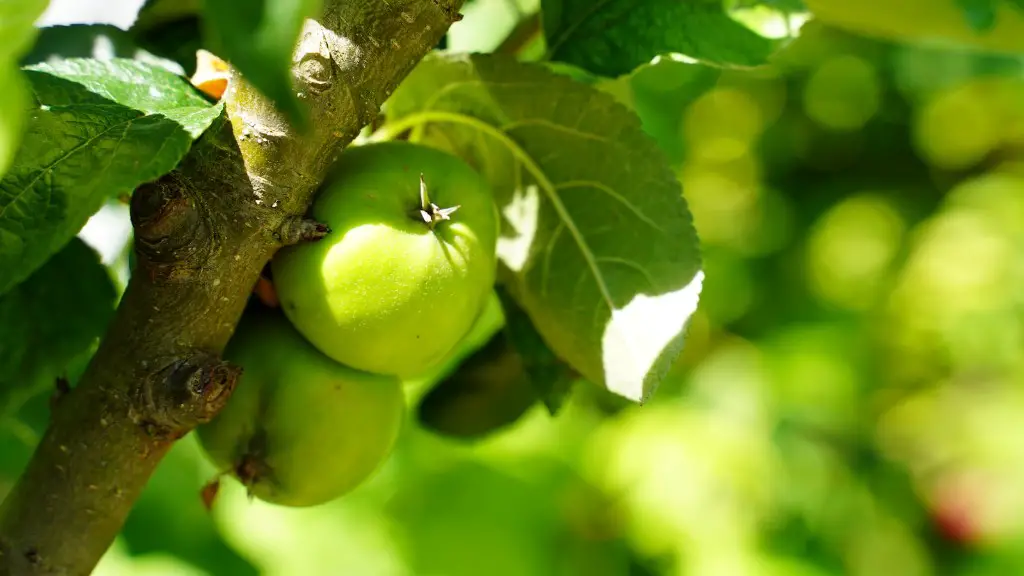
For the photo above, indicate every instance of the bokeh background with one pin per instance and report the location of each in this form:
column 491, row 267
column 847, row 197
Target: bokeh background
column 850, row 401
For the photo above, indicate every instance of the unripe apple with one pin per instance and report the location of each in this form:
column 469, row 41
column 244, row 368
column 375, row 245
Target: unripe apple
column 407, row 266
column 300, row 429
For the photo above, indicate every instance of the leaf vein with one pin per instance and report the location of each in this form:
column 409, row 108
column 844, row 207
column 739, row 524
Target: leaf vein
column 611, row 194
column 45, row 170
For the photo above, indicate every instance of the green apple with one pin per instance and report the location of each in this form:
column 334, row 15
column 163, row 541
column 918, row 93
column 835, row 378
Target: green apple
column 408, row 264
column 300, row 429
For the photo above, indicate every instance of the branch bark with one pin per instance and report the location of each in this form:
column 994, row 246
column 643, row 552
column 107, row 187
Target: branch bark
column 202, row 234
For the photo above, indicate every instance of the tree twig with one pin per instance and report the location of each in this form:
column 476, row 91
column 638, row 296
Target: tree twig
column 203, row 233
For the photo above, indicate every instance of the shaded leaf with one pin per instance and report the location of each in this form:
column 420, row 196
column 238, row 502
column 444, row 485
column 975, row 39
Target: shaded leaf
column 661, row 93
column 96, row 41
column 98, row 130
column 17, row 32
column 488, row 391
column 612, row 37
column 258, row 38
column 549, row 376
column 58, row 313
column 178, row 40
column 171, row 29
column 171, row 517
column 980, row 14
column 154, row 13
column 598, row 245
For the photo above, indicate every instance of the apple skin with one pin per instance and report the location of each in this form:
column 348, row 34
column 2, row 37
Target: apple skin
column 300, row 429
column 383, row 292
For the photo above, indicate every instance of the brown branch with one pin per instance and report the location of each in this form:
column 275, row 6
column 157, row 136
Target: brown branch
column 203, row 233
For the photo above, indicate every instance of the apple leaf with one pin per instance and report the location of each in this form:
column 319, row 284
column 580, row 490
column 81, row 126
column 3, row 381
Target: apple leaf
column 258, row 38
column 17, row 32
column 55, row 315
column 597, row 243
column 171, row 29
column 97, row 41
column 487, row 392
column 549, row 376
column 97, row 129
column 170, row 518
column 612, row 37
column 980, row 14
column 155, row 12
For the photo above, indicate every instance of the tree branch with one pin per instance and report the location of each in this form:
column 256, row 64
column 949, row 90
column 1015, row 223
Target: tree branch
column 203, row 233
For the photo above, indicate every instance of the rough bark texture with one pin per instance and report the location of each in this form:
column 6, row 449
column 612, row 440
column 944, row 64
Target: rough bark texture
column 203, row 233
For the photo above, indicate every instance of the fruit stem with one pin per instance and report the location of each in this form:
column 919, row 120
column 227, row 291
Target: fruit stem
column 429, row 211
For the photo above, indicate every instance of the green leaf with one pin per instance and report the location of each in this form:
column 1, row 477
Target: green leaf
column 612, row 37
column 171, row 29
column 489, row 391
column 17, row 26
column 13, row 103
column 258, row 38
column 598, row 245
column 980, row 14
column 178, row 41
column 96, row 41
column 17, row 31
column 780, row 5
column 550, row 377
column 154, row 13
column 55, row 315
column 169, row 516
column 98, row 129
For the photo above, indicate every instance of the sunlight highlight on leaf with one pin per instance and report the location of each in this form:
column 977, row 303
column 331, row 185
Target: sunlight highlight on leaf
column 596, row 234
column 636, row 335
column 100, row 129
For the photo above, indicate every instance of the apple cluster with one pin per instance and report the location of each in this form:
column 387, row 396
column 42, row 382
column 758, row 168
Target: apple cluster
column 398, row 281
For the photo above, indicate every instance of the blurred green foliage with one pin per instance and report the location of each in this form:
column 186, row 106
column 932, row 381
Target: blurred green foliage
column 847, row 401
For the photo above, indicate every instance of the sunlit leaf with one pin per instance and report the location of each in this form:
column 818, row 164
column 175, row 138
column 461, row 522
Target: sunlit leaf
column 98, row 129
column 597, row 244
column 17, row 32
column 56, row 314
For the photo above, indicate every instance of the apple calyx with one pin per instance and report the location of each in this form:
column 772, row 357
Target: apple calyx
column 430, row 212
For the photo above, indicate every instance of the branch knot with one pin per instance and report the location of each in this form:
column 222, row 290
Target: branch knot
column 172, row 235
column 184, row 394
